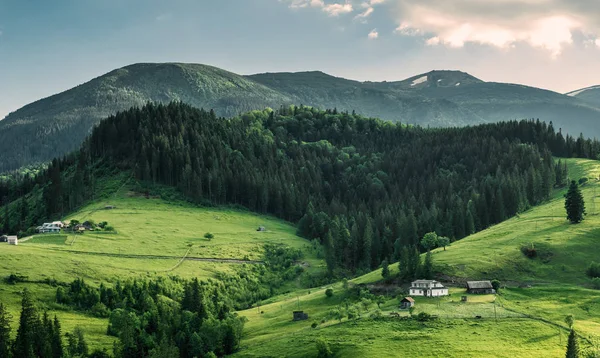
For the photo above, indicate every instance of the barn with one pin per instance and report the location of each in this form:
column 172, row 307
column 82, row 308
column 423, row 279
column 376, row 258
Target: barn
column 480, row 287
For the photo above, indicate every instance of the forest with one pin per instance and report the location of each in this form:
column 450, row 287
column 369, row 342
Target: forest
column 363, row 187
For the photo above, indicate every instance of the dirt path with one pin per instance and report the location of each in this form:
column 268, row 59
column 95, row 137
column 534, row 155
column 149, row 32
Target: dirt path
column 163, row 257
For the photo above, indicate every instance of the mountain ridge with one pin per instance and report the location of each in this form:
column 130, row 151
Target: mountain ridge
column 57, row 124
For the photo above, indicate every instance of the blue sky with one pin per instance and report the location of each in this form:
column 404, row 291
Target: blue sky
column 50, row 46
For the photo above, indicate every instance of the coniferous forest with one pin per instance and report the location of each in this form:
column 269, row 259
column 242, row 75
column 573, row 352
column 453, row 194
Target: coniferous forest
column 363, row 187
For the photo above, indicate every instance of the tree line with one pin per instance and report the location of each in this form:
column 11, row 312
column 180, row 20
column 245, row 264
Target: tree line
column 363, row 187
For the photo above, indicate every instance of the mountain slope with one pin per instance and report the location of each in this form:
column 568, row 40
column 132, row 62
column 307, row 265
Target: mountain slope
column 56, row 125
column 589, row 94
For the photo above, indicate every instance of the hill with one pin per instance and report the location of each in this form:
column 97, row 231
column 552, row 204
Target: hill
column 529, row 312
column 152, row 238
column 58, row 124
column 588, row 94
column 362, row 190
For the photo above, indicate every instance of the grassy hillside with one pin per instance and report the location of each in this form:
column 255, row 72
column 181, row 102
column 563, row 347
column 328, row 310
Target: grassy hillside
column 154, row 237
column 55, row 125
column 526, row 319
column 588, row 94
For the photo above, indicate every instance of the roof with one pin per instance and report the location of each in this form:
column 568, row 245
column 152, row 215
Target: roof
column 424, row 281
column 479, row 284
column 409, row 299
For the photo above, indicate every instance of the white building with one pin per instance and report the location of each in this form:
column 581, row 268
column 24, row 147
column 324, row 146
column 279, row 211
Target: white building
column 428, row 288
column 50, row 227
column 12, row 240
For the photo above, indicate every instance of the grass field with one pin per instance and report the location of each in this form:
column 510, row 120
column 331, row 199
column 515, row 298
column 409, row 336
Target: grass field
column 152, row 237
column 525, row 320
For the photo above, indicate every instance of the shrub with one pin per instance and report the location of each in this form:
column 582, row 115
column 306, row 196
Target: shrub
column 593, row 270
column 103, row 224
column 209, row 236
column 100, row 310
column 323, row 350
column 529, row 251
column 377, row 314
column 583, row 180
column 424, row 317
column 109, row 228
column 314, row 325
column 596, row 283
column 496, row 285
column 15, row 278
column 329, row 292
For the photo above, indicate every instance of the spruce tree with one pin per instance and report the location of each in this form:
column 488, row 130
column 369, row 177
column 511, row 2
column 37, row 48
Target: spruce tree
column 24, row 345
column 428, row 266
column 574, row 203
column 572, row 345
column 385, row 269
column 5, row 319
column 57, row 348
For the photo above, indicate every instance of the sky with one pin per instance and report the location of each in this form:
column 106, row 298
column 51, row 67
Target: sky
column 47, row 47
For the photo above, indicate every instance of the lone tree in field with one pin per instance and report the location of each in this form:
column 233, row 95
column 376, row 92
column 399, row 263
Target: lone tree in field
column 574, row 203
column 429, row 241
column 572, row 346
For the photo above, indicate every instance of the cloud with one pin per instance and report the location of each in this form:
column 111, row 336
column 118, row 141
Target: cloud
column 363, row 15
column 545, row 24
column 337, row 9
column 334, row 9
column 373, row 34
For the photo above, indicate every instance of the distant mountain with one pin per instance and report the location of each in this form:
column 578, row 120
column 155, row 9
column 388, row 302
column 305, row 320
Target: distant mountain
column 588, row 94
column 58, row 124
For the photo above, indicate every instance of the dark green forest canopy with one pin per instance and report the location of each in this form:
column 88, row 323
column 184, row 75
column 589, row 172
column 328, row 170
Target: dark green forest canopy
column 363, row 185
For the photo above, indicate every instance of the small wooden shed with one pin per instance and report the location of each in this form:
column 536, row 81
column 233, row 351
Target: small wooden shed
column 12, row 240
column 406, row 303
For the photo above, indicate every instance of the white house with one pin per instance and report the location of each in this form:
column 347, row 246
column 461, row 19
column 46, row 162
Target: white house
column 428, row 288
column 50, row 227
column 12, row 240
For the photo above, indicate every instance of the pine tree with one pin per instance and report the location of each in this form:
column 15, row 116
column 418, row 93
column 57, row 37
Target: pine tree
column 385, row 269
column 572, row 345
column 428, row 266
column 57, row 348
column 5, row 319
column 24, row 345
column 574, row 203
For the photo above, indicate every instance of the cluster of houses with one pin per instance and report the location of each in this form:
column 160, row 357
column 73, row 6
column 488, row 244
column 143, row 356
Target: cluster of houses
column 55, row 226
column 432, row 288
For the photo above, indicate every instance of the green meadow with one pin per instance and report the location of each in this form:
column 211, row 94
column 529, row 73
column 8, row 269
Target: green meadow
column 152, row 237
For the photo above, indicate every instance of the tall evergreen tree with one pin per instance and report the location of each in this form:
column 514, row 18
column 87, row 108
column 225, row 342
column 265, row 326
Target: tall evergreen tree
column 572, row 345
column 5, row 319
column 574, row 203
column 428, row 266
column 24, row 344
column 57, row 345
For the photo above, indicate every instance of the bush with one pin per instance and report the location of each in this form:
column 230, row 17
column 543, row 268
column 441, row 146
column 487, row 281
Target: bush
column 314, row 325
column 323, row 348
column 596, row 283
column 100, row 310
column 529, row 251
column 496, row 285
column 103, row 224
column 583, row 180
column 593, row 270
column 109, row 228
column 329, row 292
column 209, row 236
column 424, row 317
column 15, row 278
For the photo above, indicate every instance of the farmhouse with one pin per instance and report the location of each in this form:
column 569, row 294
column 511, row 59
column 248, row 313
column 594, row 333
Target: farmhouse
column 428, row 288
column 50, row 227
column 480, row 287
column 406, row 303
column 12, row 240
column 300, row 316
